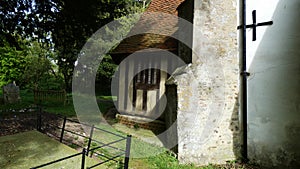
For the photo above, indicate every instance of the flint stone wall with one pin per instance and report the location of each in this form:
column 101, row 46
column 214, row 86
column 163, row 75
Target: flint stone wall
column 208, row 126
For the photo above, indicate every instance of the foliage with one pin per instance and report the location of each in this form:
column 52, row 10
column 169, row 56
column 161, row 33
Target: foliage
column 76, row 22
column 28, row 67
column 40, row 71
column 106, row 68
column 50, row 82
column 104, row 43
column 32, row 19
column 63, row 24
column 12, row 62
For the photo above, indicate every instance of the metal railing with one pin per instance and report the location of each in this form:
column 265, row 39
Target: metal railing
column 86, row 151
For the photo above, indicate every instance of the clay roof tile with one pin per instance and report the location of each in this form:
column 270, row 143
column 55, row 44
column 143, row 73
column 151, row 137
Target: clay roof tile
column 152, row 23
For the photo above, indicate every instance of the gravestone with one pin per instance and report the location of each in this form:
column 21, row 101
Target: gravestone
column 11, row 93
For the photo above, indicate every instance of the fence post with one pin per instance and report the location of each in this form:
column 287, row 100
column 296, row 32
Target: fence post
column 127, row 151
column 64, row 97
column 90, row 141
column 39, row 119
column 83, row 158
column 63, row 129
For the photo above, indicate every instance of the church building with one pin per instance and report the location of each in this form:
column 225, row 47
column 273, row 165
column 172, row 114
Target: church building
column 142, row 81
column 237, row 94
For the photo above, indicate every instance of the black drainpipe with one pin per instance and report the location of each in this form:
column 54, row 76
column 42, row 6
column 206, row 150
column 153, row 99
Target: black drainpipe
column 244, row 72
column 244, row 75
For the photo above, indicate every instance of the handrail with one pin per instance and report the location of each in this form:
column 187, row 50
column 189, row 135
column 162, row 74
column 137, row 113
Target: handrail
column 76, row 133
column 88, row 125
column 110, row 132
column 104, row 145
column 116, row 148
column 85, row 152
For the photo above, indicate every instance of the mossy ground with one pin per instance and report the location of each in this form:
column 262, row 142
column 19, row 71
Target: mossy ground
column 32, row 148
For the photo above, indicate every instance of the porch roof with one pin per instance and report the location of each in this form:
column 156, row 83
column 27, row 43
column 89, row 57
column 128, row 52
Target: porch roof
column 144, row 34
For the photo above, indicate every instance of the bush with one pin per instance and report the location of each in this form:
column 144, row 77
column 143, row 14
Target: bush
column 49, row 82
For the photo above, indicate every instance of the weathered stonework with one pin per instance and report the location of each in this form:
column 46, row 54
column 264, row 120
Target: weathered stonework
column 207, row 90
column 208, row 119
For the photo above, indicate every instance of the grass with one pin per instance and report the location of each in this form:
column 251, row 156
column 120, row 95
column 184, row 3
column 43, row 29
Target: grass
column 149, row 155
column 27, row 100
column 139, row 149
column 29, row 149
column 39, row 148
column 143, row 155
column 67, row 110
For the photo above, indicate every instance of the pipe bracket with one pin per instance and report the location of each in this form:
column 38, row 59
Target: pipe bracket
column 245, row 73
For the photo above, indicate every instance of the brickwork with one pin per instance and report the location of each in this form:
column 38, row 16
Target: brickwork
column 139, row 122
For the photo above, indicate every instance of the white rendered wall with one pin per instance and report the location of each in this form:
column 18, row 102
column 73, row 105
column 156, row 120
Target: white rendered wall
column 274, row 84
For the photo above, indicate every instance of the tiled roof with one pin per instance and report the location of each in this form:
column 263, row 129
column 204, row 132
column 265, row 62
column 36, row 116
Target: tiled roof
column 166, row 6
column 156, row 26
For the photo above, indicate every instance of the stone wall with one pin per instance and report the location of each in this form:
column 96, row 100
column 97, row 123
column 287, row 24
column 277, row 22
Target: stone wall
column 207, row 90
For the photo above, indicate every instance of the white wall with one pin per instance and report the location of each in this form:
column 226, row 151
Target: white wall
column 274, row 84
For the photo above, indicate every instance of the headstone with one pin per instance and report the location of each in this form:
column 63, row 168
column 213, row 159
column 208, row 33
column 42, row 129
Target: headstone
column 11, row 93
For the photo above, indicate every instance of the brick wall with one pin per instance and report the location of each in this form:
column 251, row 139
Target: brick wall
column 140, row 122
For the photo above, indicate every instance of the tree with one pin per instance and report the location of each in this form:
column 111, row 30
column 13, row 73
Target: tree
column 77, row 21
column 28, row 67
column 63, row 24
column 39, row 71
column 33, row 19
column 12, row 62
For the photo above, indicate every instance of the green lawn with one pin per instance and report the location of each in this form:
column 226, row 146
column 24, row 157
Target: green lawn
column 27, row 100
column 139, row 148
column 143, row 155
column 29, row 149
column 32, row 148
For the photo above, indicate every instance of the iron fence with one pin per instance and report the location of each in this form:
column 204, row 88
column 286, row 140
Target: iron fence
column 87, row 150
